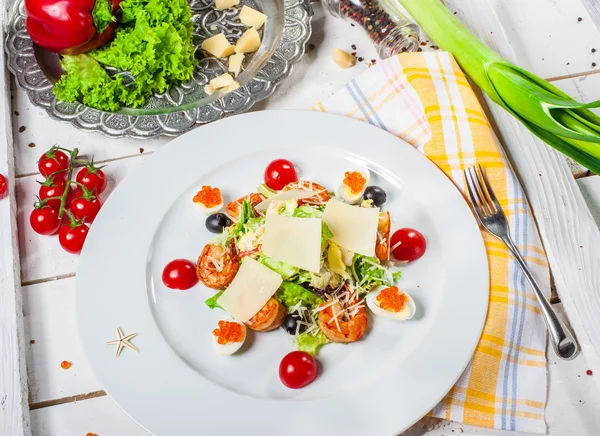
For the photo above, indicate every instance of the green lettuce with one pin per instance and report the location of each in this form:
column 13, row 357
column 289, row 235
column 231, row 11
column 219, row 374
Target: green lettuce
column 368, row 272
column 311, row 344
column 289, row 294
column 153, row 43
column 285, row 270
column 102, row 15
column 246, row 214
column 86, row 81
column 253, row 224
column 212, row 301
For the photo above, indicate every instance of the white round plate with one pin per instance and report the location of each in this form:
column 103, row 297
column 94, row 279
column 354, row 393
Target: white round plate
column 177, row 384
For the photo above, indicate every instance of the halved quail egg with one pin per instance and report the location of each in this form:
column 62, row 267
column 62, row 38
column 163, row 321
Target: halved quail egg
column 353, row 185
column 229, row 336
column 390, row 302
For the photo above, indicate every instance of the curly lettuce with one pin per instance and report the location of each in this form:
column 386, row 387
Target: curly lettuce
column 153, row 44
column 212, row 301
column 368, row 273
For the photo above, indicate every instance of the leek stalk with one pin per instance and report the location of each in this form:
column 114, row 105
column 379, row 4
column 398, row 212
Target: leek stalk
column 560, row 121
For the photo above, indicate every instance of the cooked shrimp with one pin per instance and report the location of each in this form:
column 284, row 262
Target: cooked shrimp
column 269, row 317
column 340, row 325
column 217, row 266
column 321, row 197
column 384, row 230
column 233, row 208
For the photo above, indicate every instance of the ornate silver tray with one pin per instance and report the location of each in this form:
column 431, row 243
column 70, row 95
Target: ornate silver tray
column 38, row 80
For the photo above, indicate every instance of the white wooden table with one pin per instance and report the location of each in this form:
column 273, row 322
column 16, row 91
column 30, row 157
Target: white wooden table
column 546, row 33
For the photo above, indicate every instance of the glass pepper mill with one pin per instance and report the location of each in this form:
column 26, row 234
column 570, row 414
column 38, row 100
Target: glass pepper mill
column 388, row 28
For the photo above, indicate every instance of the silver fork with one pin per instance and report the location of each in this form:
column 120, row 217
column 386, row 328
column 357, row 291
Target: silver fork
column 492, row 217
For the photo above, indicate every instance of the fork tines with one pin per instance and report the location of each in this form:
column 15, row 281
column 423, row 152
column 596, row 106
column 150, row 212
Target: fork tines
column 480, row 191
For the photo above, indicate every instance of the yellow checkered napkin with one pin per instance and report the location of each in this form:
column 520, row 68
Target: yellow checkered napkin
column 425, row 99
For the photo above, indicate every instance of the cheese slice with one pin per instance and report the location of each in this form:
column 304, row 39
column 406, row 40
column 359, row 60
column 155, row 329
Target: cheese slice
column 296, row 241
column 294, row 194
column 250, row 289
column 353, row 227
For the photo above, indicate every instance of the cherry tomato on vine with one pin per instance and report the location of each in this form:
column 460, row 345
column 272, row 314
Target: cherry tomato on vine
column 85, row 207
column 3, row 185
column 297, row 369
column 92, row 178
column 44, row 220
column 52, row 162
column 53, row 188
column 179, row 274
column 72, row 237
column 407, row 245
column 279, row 173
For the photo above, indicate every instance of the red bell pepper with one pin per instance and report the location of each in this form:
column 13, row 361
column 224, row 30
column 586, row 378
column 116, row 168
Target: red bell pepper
column 68, row 26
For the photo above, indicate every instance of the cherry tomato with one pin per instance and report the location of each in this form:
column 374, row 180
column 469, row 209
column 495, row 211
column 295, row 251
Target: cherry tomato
column 3, row 185
column 92, row 178
column 52, row 188
column 180, row 274
column 297, row 369
column 279, row 173
column 72, row 236
column 52, row 162
column 85, row 207
column 44, row 220
column 407, row 245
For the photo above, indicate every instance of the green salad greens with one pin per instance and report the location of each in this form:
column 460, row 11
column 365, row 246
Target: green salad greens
column 153, row 43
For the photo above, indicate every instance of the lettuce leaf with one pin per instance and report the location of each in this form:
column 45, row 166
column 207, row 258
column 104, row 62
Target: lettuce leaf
column 289, row 294
column 285, row 270
column 102, row 15
column 368, row 272
column 212, row 301
column 311, row 344
column 153, row 43
column 86, row 81
column 246, row 214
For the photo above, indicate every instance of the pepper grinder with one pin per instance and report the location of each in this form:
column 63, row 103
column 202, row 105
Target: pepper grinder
column 388, row 28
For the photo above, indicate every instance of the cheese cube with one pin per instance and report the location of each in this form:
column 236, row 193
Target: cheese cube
column 209, row 89
column 218, row 46
column 248, row 42
column 252, row 18
column 232, row 87
column 221, row 81
column 343, row 59
column 235, row 63
column 225, row 4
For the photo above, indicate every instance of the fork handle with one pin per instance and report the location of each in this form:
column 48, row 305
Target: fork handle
column 562, row 339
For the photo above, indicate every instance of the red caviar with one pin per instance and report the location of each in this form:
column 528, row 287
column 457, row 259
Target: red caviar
column 391, row 299
column 355, row 181
column 65, row 364
column 208, row 196
column 229, row 332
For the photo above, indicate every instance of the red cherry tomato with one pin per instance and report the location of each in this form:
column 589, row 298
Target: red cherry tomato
column 85, row 208
column 180, row 274
column 52, row 162
column 3, row 185
column 71, row 237
column 92, row 178
column 44, row 220
column 279, row 173
column 51, row 189
column 297, row 369
column 407, row 245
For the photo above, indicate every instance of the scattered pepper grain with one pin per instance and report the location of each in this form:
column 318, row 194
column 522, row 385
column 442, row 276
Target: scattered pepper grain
column 22, row 129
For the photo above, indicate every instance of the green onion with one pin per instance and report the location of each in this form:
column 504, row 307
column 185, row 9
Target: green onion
column 563, row 123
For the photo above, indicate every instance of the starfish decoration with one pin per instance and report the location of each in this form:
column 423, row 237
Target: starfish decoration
column 123, row 342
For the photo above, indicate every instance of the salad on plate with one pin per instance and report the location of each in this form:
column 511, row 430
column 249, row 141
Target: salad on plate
column 297, row 256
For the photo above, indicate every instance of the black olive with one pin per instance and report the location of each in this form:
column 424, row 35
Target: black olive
column 216, row 222
column 291, row 321
column 375, row 194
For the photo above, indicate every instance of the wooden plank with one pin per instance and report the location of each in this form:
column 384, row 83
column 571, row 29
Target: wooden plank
column 590, row 188
column 49, row 310
column 593, row 8
column 14, row 413
column 569, row 233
